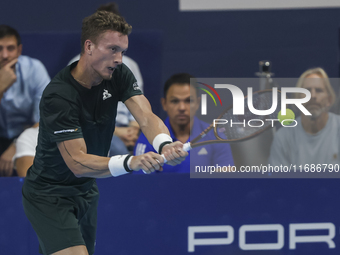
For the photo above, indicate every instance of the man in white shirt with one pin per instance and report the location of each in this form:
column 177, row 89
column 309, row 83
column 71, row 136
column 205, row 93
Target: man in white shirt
column 315, row 140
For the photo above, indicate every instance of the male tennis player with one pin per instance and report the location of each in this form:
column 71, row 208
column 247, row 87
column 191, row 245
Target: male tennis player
column 78, row 110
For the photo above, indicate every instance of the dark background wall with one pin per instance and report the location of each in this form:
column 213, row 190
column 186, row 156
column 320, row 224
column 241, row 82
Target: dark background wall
column 206, row 44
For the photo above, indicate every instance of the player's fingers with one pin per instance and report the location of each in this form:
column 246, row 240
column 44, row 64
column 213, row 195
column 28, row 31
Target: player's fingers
column 160, row 169
column 146, row 171
column 151, row 162
column 177, row 156
column 170, row 154
column 181, row 152
column 158, row 158
column 146, row 166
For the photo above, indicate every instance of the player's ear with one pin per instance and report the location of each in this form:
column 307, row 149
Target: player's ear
column 88, row 47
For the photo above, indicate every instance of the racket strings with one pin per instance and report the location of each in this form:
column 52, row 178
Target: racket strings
column 234, row 127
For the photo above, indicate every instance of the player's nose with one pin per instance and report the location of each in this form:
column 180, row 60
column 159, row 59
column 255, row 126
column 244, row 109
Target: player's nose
column 118, row 58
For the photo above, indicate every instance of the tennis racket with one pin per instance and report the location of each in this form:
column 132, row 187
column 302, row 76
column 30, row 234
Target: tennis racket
column 227, row 133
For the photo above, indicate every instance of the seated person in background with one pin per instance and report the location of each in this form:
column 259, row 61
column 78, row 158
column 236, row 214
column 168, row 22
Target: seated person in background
column 127, row 128
column 315, row 139
column 22, row 81
column 181, row 102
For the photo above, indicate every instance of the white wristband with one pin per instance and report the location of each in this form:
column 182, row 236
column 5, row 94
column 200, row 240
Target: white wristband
column 118, row 165
column 129, row 162
column 159, row 139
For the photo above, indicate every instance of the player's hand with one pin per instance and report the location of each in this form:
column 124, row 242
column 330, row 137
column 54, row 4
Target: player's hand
column 174, row 153
column 6, row 163
column 148, row 162
column 7, row 75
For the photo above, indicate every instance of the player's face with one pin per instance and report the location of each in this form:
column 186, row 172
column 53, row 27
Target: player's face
column 320, row 99
column 181, row 104
column 9, row 49
column 107, row 53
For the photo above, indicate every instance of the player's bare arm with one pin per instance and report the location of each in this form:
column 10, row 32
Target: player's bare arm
column 151, row 126
column 74, row 153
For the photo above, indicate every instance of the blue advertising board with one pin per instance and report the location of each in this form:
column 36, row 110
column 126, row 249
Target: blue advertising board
column 173, row 214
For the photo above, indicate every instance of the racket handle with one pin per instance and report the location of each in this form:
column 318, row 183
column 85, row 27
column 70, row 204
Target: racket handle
column 186, row 147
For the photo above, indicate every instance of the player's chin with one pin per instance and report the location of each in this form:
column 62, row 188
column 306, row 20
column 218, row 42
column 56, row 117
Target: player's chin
column 107, row 77
column 108, row 74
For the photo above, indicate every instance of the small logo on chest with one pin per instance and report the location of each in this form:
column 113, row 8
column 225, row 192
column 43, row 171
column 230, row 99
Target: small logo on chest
column 106, row 94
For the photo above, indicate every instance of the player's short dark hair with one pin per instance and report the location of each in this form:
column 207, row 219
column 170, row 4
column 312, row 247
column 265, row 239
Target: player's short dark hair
column 6, row 31
column 179, row 78
column 100, row 22
column 110, row 7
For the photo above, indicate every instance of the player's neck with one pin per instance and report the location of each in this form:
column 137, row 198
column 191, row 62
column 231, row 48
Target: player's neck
column 85, row 75
column 314, row 125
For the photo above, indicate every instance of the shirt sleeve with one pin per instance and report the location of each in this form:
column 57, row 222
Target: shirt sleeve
column 61, row 119
column 128, row 84
column 133, row 66
column 40, row 80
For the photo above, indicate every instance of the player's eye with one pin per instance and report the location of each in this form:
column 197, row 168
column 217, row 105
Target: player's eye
column 123, row 52
column 174, row 101
column 114, row 50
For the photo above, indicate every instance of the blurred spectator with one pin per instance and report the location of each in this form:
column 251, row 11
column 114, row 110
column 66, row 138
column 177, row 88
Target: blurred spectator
column 181, row 102
column 22, row 81
column 127, row 129
column 315, row 139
